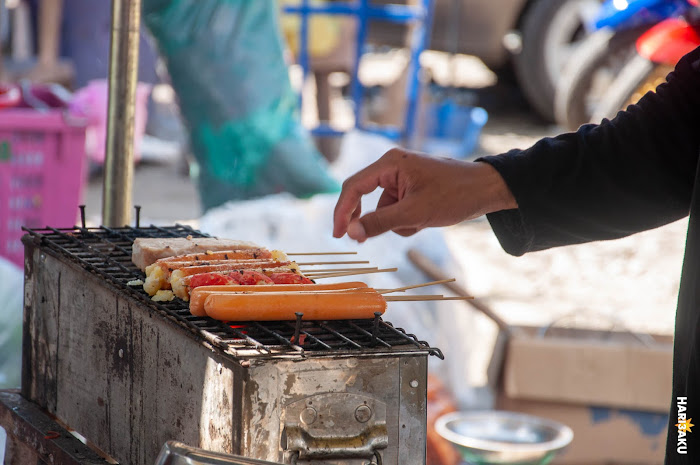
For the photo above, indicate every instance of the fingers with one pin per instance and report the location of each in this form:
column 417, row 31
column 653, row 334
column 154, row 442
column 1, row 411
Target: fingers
column 361, row 183
column 391, row 217
column 387, row 198
column 405, row 232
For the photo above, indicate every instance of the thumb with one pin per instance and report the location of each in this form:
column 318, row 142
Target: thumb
column 382, row 220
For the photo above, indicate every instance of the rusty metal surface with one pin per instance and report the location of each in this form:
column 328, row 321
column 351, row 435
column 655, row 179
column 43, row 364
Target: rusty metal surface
column 34, row 437
column 123, row 376
column 132, row 374
column 111, row 368
column 273, row 389
column 177, row 453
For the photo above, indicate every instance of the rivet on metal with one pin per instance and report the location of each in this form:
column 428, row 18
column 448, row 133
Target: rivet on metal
column 308, row 415
column 121, row 353
column 82, row 215
column 414, row 383
column 297, row 328
column 363, row 413
column 375, row 328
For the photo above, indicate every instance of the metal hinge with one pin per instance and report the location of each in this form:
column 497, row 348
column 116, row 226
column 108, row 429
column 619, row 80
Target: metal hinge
column 335, row 425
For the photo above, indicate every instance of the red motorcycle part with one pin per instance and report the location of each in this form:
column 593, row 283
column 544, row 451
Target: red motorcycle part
column 667, row 42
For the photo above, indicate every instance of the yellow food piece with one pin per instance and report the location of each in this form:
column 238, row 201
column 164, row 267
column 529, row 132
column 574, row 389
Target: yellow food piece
column 155, row 278
column 178, row 286
column 163, row 296
column 279, row 256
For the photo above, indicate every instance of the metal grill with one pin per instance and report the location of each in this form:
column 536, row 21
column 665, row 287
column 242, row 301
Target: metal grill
column 107, row 253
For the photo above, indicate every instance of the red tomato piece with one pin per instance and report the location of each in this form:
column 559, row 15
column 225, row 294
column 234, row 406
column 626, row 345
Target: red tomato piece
column 289, row 278
column 210, row 279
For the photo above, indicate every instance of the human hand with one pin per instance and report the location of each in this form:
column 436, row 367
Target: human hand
column 419, row 192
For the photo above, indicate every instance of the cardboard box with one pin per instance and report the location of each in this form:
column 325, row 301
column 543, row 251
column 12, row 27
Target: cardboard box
column 584, row 367
column 601, row 435
column 612, row 388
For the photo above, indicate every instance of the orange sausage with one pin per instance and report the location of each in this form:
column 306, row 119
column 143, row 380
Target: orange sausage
column 178, row 265
column 235, row 265
column 245, row 254
column 198, row 295
column 273, row 306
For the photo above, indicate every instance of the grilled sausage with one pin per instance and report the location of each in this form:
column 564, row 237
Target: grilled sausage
column 199, row 294
column 272, row 306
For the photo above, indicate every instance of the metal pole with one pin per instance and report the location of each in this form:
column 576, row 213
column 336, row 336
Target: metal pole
column 119, row 150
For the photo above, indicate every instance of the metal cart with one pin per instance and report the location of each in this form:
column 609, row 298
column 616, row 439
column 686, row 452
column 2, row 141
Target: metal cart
column 419, row 16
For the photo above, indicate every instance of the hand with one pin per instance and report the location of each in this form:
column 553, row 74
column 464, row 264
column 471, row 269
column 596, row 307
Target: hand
column 419, row 192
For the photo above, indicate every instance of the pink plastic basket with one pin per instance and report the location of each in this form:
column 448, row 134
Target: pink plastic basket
column 42, row 173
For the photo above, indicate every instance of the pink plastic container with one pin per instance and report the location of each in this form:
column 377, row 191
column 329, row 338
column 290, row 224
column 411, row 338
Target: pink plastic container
column 42, row 173
column 91, row 102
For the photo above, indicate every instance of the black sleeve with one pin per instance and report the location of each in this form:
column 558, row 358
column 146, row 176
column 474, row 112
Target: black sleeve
column 606, row 181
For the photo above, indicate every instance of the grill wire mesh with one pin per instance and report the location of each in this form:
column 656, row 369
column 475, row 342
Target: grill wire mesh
column 107, row 253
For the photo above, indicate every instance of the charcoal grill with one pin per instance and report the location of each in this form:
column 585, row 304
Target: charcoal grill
column 130, row 373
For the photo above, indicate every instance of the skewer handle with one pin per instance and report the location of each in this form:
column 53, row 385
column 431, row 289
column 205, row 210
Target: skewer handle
column 409, row 298
column 434, row 272
column 415, row 286
column 354, row 262
column 351, row 273
column 321, row 253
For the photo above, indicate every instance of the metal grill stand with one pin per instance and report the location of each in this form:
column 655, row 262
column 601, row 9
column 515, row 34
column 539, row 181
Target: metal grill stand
column 132, row 373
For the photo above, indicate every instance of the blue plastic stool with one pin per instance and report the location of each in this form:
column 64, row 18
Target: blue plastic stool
column 452, row 129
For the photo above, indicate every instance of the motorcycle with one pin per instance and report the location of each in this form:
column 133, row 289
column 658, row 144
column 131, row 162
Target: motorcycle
column 658, row 51
column 593, row 66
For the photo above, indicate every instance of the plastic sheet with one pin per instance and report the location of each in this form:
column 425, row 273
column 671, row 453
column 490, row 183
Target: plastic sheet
column 11, row 279
column 225, row 59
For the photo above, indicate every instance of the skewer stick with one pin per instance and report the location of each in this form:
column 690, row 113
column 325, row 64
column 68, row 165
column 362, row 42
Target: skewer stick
column 434, row 272
column 321, row 253
column 415, row 286
column 336, row 270
column 409, row 298
column 354, row 262
column 350, row 273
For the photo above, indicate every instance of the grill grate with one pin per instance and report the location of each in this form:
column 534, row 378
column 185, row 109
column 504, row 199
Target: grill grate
column 107, row 253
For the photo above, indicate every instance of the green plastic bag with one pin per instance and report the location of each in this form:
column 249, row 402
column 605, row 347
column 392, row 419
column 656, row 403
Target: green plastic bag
column 225, row 60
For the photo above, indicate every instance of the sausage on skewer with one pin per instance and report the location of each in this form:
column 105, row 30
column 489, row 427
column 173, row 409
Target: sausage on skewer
column 199, row 294
column 273, row 306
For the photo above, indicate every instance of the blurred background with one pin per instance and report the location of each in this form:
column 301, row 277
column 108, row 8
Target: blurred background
column 246, row 109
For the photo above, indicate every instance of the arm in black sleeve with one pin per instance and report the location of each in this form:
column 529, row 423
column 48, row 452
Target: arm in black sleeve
column 606, row 181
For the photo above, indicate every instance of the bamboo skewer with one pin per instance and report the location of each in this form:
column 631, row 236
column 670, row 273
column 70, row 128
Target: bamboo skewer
column 350, row 273
column 336, row 270
column 434, row 272
column 415, row 286
column 410, row 298
column 321, row 253
column 355, row 262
